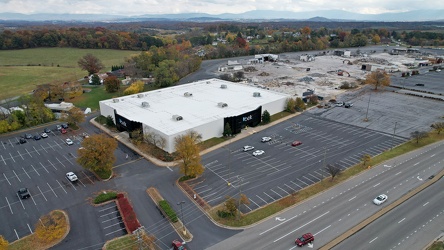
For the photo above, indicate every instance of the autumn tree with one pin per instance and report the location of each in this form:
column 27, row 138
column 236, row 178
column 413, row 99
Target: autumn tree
column 187, row 150
column 112, row 84
column 313, row 99
column 51, row 227
column 378, row 78
column 290, row 105
column 266, row 118
column 418, row 135
column 3, row 243
column 438, row 126
column 366, row 159
column 97, row 154
column 74, row 116
column 333, row 170
column 376, row 39
column 134, row 88
column 230, row 205
column 90, row 63
column 300, row 104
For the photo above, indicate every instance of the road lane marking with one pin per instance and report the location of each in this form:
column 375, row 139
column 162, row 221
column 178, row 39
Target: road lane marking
column 425, row 204
column 401, row 220
column 352, row 198
column 372, row 240
column 301, row 226
column 397, row 173
column 416, row 164
column 321, row 230
column 377, row 185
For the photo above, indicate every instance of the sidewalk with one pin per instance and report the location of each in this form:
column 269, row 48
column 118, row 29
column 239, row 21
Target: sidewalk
column 123, row 137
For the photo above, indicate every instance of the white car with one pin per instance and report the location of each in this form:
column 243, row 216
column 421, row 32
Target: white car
column 71, row 176
column 380, row 199
column 248, row 148
column 44, row 135
column 69, row 141
column 265, row 139
column 258, row 152
column 339, row 104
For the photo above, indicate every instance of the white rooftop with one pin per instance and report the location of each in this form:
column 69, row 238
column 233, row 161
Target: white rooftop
column 198, row 109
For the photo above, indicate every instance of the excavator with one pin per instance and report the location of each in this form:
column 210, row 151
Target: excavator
column 341, row 73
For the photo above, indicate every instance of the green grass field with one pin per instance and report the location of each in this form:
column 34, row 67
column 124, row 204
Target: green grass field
column 20, row 71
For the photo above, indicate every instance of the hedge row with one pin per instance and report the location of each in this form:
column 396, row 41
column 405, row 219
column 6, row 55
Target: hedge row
column 103, row 197
column 168, row 210
column 127, row 212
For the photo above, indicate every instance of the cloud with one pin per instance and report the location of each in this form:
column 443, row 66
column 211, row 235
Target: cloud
column 139, row 7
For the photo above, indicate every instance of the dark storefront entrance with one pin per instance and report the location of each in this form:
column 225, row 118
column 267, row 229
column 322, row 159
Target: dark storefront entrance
column 250, row 119
column 124, row 124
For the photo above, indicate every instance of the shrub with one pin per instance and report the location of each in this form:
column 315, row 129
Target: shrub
column 103, row 197
column 168, row 210
column 127, row 213
column 51, row 227
column 224, row 214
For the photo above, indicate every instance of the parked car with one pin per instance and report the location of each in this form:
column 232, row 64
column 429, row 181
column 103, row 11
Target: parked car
column 69, row 142
column 37, row 137
column 71, row 176
column 22, row 140
column 59, row 127
column 380, row 199
column 296, row 143
column 23, row 193
column 258, row 152
column 63, row 131
column 248, row 148
column 348, row 105
column 304, row 239
column 178, row 245
column 28, row 136
column 47, row 130
column 44, row 135
column 265, row 139
column 339, row 104
column 65, row 125
column 85, row 135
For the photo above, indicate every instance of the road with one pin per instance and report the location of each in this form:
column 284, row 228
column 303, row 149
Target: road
column 412, row 225
column 333, row 212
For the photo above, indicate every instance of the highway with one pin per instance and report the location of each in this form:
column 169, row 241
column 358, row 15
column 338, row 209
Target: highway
column 333, row 212
column 411, row 225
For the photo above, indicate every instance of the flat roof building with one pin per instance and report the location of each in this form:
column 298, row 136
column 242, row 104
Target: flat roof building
column 204, row 106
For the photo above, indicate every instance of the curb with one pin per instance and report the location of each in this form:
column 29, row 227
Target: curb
column 381, row 212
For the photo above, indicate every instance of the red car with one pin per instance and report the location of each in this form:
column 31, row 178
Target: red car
column 304, row 239
column 63, row 131
column 178, row 245
column 296, row 143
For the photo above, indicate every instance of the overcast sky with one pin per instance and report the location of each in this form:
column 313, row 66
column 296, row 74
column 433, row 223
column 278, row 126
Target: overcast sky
column 139, row 7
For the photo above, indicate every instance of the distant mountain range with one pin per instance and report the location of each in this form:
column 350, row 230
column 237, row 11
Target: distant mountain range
column 256, row 15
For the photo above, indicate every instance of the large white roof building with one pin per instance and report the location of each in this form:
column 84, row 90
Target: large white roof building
column 204, row 106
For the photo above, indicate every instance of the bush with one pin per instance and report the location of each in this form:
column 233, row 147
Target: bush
column 127, row 213
column 185, row 178
column 224, row 214
column 103, row 197
column 168, row 210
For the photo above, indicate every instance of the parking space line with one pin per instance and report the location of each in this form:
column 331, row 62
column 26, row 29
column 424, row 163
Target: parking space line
column 61, row 162
column 290, row 188
column 68, row 159
column 308, row 179
column 82, row 183
column 72, row 185
column 28, row 152
column 12, row 144
column 21, row 201
column 314, row 177
column 6, row 178
column 3, row 145
column 12, row 157
column 117, row 217
column 296, row 184
column 261, row 199
column 3, row 160
column 42, row 193
column 20, row 155
column 269, row 195
column 61, row 186
column 26, row 173
column 319, row 174
column 36, row 150
column 283, row 190
column 52, row 164
column 44, row 148
column 44, row 168
column 254, row 202
column 29, row 228
column 114, row 232
column 52, row 190
column 16, row 176
column 32, row 198
column 88, row 178
column 118, row 223
column 108, row 214
column 302, row 181
column 9, row 205
column 16, row 234
column 35, row 170
column 101, row 210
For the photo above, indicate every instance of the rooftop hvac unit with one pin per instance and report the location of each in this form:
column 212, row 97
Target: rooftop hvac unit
column 208, row 82
column 188, row 94
column 145, row 105
column 256, row 94
column 140, row 95
column 223, row 86
column 222, row 104
column 115, row 100
column 177, row 117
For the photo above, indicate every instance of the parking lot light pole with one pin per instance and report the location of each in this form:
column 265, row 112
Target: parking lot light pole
column 368, row 105
column 181, row 216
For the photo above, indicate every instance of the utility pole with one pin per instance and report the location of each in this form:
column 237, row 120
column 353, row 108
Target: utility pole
column 394, row 131
column 138, row 232
column 181, row 216
column 368, row 105
column 240, row 192
column 325, row 156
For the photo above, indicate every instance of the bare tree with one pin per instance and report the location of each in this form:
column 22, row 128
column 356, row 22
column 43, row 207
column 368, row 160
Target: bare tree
column 438, row 126
column 155, row 139
column 418, row 135
column 333, row 170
